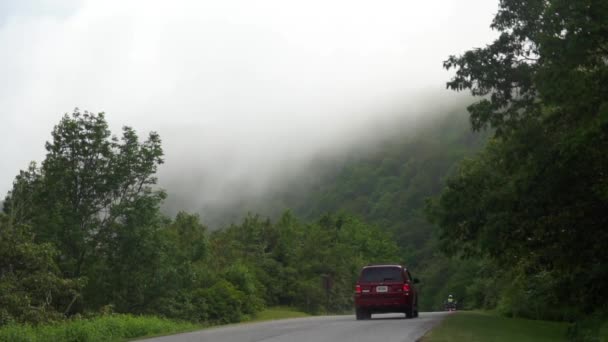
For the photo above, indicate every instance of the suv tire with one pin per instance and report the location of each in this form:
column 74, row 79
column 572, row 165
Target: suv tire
column 362, row 314
column 410, row 313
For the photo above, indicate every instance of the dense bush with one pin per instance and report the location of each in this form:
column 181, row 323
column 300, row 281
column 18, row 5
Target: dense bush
column 534, row 201
column 222, row 303
column 282, row 263
column 31, row 286
column 104, row 328
column 592, row 328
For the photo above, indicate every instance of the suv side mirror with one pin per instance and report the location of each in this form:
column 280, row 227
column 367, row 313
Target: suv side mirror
column 416, row 280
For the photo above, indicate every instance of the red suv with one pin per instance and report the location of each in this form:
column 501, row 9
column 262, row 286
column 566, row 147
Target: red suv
column 384, row 289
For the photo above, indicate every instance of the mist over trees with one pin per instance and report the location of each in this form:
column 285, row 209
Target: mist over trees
column 388, row 186
column 509, row 216
column 93, row 207
column 83, row 233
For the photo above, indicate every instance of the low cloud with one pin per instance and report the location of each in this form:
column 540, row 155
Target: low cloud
column 243, row 93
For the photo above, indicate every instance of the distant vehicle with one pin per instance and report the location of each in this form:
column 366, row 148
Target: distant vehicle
column 385, row 289
column 450, row 304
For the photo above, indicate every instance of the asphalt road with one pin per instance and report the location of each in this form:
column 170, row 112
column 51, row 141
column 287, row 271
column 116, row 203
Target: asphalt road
column 385, row 328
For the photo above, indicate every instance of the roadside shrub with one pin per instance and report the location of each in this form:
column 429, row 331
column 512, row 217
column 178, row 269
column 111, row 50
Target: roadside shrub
column 221, row 303
column 533, row 295
column 103, row 328
column 312, row 297
column 31, row 286
column 245, row 281
column 593, row 328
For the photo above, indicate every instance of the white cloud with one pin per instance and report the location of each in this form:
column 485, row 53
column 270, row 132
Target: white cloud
column 238, row 89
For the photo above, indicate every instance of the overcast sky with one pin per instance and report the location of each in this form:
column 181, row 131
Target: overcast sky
column 238, row 89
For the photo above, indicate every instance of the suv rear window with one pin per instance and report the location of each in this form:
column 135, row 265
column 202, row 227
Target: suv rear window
column 380, row 274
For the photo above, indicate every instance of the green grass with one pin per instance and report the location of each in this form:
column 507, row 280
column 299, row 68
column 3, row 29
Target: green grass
column 103, row 328
column 480, row 326
column 279, row 312
column 590, row 328
column 604, row 332
column 118, row 327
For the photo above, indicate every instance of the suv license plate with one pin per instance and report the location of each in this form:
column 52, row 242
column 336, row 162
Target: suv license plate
column 381, row 288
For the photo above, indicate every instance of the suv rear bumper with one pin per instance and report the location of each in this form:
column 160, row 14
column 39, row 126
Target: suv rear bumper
column 383, row 304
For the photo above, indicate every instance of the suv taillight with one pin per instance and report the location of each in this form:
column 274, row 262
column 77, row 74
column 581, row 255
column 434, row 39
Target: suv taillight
column 357, row 288
column 406, row 287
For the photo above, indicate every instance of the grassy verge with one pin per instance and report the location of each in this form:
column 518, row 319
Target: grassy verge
column 479, row 326
column 118, row 327
column 103, row 328
column 277, row 313
column 591, row 328
column 269, row 314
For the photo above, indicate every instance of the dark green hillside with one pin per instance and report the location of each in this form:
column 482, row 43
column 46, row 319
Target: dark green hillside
column 388, row 185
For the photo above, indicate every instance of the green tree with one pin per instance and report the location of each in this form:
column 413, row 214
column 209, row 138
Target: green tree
column 190, row 236
column 92, row 197
column 31, row 286
column 550, row 55
column 535, row 199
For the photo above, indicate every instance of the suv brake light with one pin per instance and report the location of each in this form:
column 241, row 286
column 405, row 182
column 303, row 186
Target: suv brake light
column 357, row 288
column 406, row 287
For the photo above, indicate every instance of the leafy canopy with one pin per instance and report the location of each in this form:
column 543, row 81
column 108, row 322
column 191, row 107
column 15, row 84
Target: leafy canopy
column 535, row 199
column 88, row 184
column 550, row 54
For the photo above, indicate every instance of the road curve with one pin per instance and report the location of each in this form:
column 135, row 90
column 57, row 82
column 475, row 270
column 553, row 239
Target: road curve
column 385, row 328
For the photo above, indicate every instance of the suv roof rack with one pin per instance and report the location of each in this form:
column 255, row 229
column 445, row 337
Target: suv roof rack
column 398, row 265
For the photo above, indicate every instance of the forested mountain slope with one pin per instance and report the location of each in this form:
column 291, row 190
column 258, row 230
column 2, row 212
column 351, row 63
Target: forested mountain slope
column 387, row 185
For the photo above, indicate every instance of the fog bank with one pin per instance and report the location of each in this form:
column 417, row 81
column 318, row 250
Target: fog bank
column 243, row 93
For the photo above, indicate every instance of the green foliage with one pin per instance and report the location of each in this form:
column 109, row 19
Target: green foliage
column 189, row 236
column 479, row 326
column 92, row 198
column 245, row 281
column 528, row 211
column 283, row 261
column 222, row 302
column 388, row 185
column 279, row 312
column 94, row 215
column 103, row 328
column 593, row 328
column 534, row 201
column 91, row 209
column 549, row 54
column 31, row 287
